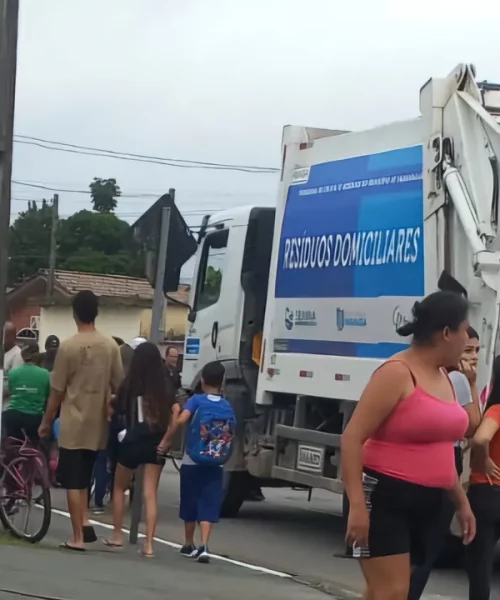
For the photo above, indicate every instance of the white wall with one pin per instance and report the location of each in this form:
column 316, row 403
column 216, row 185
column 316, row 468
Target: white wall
column 121, row 321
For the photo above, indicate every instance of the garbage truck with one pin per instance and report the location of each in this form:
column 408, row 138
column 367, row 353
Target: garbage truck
column 301, row 302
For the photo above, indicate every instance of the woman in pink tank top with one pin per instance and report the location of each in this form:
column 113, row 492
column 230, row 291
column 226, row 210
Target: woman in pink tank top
column 398, row 458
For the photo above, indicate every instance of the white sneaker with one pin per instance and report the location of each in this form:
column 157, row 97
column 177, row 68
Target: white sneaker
column 202, row 555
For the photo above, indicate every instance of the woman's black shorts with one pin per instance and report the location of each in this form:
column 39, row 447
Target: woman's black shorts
column 402, row 516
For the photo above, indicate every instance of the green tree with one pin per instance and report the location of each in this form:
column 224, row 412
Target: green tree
column 89, row 242
column 97, row 243
column 30, row 241
column 96, row 261
column 86, row 230
column 104, row 194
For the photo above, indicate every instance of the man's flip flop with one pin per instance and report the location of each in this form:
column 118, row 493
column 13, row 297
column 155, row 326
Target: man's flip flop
column 111, row 544
column 89, row 534
column 66, row 546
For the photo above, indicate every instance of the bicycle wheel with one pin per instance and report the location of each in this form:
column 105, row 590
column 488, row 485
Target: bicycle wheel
column 21, row 475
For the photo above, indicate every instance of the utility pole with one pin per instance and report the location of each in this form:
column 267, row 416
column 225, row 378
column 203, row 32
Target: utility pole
column 53, row 248
column 155, row 336
column 9, row 13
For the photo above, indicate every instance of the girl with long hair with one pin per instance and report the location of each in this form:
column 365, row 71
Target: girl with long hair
column 398, row 458
column 144, row 405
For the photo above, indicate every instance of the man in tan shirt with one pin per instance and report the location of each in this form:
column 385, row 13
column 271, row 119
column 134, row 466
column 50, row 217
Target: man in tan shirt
column 87, row 367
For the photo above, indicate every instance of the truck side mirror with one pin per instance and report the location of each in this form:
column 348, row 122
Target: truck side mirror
column 192, row 316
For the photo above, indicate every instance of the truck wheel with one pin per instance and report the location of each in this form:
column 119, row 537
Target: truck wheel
column 234, row 491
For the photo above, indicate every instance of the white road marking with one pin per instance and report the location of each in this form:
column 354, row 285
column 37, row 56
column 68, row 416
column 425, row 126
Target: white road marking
column 177, row 546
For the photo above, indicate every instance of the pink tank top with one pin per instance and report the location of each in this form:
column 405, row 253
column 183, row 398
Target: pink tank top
column 416, row 441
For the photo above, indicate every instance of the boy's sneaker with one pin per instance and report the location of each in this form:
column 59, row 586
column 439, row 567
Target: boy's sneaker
column 189, row 550
column 202, row 555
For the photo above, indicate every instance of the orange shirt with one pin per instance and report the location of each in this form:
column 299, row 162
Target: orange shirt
column 476, row 476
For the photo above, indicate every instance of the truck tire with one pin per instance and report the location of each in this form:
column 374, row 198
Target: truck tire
column 233, row 493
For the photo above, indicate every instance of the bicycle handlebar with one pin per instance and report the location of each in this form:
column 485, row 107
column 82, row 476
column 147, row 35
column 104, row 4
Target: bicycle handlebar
column 25, row 447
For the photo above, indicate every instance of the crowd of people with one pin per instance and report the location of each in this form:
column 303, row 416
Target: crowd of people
column 113, row 407
column 403, row 451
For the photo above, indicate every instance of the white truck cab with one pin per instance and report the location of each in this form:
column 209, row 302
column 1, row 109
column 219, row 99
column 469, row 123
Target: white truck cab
column 230, row 245
column 301, row 303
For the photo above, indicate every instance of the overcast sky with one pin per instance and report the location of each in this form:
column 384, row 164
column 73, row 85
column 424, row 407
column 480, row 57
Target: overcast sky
column 216, row 80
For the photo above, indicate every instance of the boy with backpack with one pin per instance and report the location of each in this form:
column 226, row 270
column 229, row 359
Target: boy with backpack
column 209, row 440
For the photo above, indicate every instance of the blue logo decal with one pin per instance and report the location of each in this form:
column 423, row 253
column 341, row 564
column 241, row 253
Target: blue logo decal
column 306, row 318
column 192, row 349
column 299, row 318
column 355, row 229
column 349, row 319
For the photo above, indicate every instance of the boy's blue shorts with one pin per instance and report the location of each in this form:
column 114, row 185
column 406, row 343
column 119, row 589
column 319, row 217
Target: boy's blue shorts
column 201, row 493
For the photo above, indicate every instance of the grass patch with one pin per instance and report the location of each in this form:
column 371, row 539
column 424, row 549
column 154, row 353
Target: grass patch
column 6, row 539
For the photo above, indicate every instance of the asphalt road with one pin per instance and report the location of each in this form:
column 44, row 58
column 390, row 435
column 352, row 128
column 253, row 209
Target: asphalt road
column 289, row 534
column 46, row 572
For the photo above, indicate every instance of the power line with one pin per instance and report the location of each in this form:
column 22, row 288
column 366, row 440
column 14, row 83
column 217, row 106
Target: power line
column 144, row 156
column 121, row 216
column 135, row 214
column 186, row 212
column 149, row 161
column 48, row 188
column 156, row 194
column 87, row 192
column 130, row 215
column 170, row 162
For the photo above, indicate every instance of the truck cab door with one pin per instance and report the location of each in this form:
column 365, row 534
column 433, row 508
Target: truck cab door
column 202, row 338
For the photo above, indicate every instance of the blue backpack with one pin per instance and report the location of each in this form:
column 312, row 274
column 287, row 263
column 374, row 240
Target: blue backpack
column 211, row 432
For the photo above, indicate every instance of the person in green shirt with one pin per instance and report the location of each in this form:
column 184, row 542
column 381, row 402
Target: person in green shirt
column 29, row 389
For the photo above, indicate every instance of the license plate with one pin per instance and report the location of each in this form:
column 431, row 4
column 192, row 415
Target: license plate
column 310, row 458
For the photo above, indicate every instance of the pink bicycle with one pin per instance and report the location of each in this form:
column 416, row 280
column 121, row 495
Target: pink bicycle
column 24, row 484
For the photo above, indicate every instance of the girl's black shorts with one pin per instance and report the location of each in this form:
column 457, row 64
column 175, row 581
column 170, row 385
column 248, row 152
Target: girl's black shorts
column 139, row 450
column 402, row 516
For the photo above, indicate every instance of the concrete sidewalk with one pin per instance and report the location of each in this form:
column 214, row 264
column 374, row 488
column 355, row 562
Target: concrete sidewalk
column 48, row 572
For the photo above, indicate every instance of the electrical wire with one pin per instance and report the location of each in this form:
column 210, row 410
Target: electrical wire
column 146, row 156
column 48, row 188
column 189, row 213
column 170, row 162
column 157, row 194
column 39, row 186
